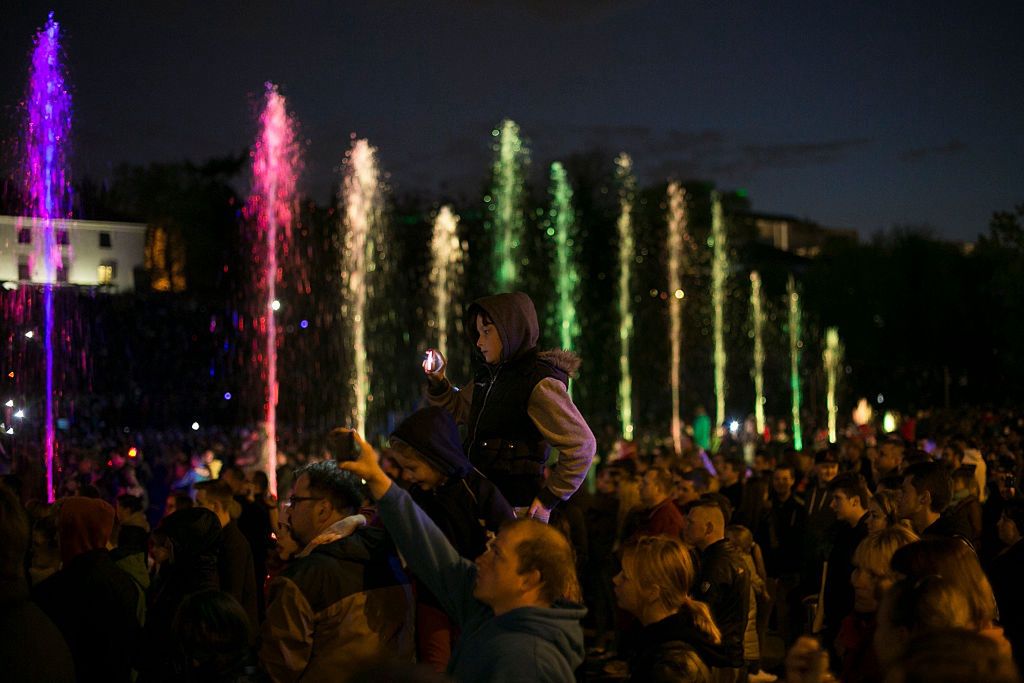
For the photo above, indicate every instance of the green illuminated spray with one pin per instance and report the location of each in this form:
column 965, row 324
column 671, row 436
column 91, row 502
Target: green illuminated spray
column 627, row 249
column 567, row 279
column 833, row 357
column 719, row 275
column 505, row 204
column 445, row 271
column 794, row 359
column 677, row 237
column 757, row 317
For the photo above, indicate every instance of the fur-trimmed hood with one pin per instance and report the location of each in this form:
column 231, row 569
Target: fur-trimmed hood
column 566, row 361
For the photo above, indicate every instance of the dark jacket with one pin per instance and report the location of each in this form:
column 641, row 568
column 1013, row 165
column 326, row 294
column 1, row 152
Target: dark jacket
column 949, row 525
column 234, row 567
column 31, row 648
column 724, row 585
column 542, row 644
column 1005, row 572
column 345, row 603
column 780, row 536
column 519, row 408
column 655, row 640
column 838, row 589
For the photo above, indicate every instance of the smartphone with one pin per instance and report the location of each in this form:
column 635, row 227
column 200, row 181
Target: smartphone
column 341, row 444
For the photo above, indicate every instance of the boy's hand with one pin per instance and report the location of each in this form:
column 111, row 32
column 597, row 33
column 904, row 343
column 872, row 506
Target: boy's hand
column 367, row 466
column 434, row 365
column 538, row 511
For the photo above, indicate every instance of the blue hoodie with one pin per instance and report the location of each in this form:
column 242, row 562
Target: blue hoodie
column 527, row 644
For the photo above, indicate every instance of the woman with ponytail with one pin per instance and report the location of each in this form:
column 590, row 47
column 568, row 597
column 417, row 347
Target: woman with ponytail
column 654, row 586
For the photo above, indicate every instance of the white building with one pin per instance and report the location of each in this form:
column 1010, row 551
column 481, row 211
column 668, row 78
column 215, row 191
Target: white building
column 94, row 252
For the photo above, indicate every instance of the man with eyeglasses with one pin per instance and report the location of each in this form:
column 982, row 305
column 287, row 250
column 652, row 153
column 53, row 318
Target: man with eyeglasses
column 343, row 601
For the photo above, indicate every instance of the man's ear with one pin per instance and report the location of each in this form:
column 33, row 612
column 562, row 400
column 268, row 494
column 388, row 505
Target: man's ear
column 531, row 579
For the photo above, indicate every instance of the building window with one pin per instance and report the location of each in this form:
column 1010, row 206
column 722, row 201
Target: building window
column 24, row 235
column 62, row 272
column 63, row 238
column 105, row 240
column 107, row 272
column 24, row 271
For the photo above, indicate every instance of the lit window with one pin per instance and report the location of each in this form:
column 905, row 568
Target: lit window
column 106, row 273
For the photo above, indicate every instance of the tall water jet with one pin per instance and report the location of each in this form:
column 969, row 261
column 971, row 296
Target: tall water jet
column 677, row 238
column 719, row 276
column 794, row 359
column 275, row 164
column 757, row 318
column 567, row 277
column 505, row 204
column 833, row 357
column 46, row 135
column 362, row 198
column 447, row 259
column 627, row 249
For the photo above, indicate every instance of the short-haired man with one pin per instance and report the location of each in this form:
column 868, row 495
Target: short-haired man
column 662, row 517
column 234, row 557
column 927, row 491
column 342, row 601
column 731, row 479
column 517, row 605
column 691, row 485
column 780, row 536
column 723, row 582
column 850, row 497
column 890, row 456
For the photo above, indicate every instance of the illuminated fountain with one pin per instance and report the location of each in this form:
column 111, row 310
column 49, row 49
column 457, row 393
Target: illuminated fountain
column 795, row 345
column 448, row 256
column 677, row 238
column 833, row 357
column 719, row 275
column 46, row 135
column 505, row 204
column 567, row 278
column 757, row 318
column 627, row 249
column 275, row 164
column 362, row 198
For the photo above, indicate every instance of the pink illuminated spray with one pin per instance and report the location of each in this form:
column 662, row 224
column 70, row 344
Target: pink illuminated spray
column 48, row 126
column 275, row 164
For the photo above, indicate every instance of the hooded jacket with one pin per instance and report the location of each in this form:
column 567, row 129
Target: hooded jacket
column 339, row 604
column 522, row 402
column 528, row 644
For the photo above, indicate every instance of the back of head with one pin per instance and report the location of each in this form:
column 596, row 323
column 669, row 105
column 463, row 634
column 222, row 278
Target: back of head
column 875, row 552
column 84, row 524
column 213, row 632
column 544, row 549
column 14, row 536
column 193, row 534
column 954, row 561
column 933, row 477
column 342, row 488
column 216, row 490
column 433, row 433
column 929, row 603
column 952, row 656
column 677, row 662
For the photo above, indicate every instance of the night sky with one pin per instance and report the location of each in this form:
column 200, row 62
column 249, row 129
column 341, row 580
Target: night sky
column 856, row 114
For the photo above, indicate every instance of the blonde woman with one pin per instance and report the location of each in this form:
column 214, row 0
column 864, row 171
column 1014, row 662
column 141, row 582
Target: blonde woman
column 654, row 586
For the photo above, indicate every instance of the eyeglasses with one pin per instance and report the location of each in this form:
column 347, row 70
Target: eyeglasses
column 292, row 500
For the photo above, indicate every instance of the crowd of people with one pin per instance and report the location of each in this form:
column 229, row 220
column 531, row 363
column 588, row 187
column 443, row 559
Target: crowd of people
column 477, row 555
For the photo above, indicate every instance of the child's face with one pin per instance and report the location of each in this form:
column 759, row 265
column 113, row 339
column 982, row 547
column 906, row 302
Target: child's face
column 488, row 341
column 415, row 469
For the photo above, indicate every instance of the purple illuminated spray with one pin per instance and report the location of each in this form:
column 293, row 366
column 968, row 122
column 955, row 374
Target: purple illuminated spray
column 275, row 163
column 48, row 125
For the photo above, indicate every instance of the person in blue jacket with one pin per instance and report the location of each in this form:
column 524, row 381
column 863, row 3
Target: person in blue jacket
column 518, row 605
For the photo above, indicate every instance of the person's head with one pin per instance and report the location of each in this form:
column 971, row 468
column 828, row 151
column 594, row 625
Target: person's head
column 740, row 537
column 488, row 340
column 731, row 471
column 216, row 496
column 890, row 454
column 128, row 505
column 323, row 494
column 655, row 486
column 212, row 632
column 764, row 461
column 826, row 467
column 872, row 570
column 234, row 477
column 783, row 480
column 850, row 497
column 607, row 482
column 705, row 524
column 84, row 524
column 927, row 488
column 883, row 510
column 527, row 564
column 14, row 536
column 1011, row 522
column 914, row 606
column 656, row 577
column 677, row 662
column 427, row 446
column 415, row 468
column 952, row 656
column 692, row 485
column 177, row 501
column 955, row 561
column 964, row 482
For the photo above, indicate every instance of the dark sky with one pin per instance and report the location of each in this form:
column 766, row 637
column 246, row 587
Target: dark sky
column 854, row 114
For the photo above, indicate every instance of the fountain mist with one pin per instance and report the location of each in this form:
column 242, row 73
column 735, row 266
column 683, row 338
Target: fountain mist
column 757, row 317
column 627, row 248
column 677, row 237
column 794, row 359
column 833, row 357
column 448, row 255
column 567, row 278
column 505, row 204
column 719, row 275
